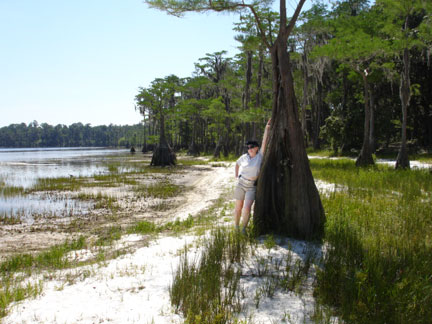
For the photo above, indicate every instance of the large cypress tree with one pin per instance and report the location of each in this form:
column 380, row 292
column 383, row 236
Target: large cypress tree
column 287, row 199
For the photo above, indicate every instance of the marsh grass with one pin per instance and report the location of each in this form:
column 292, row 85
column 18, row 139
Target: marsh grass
column 377, row 267
column 10, row 191
column 7, row 219
column 208, row 290
column 207, row 286
column 59, row 184
column 106, row 236
column 163, row 189
column 101, row 201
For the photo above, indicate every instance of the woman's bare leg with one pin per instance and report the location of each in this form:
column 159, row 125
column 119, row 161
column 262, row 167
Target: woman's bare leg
column 246, row 214
column 238, row 212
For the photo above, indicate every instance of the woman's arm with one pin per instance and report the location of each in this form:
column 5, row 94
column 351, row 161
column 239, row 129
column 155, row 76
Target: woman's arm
column 265, row 137
column 236, row 170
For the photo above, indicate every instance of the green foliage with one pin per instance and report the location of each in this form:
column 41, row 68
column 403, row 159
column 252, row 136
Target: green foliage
column 75, row 135
column 333, row 131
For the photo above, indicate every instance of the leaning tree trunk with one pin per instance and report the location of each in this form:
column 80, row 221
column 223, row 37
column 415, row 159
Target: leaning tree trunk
column 402, row 161
column 287, row 200
column 365, row 158
column 163, row 154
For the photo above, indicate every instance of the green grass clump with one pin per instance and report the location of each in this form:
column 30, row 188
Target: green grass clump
column 177, row 226
column 143, row 227
column 53, row 258
column 163, row 190
column 107, row 236
column 191, row 162
column 12, row 291
column 379, row 249
column 208, row 291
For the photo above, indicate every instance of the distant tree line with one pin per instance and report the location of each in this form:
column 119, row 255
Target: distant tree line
column 362, row 78
column 75, row 135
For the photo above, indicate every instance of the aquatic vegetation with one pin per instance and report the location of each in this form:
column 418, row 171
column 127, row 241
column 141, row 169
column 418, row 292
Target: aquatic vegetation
column 10, row 191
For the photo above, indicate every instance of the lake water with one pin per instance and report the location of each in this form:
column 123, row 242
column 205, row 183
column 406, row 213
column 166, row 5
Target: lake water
column 23, row 167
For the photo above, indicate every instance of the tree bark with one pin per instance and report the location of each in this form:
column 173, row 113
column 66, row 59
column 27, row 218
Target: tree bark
column 402, row 161
column 287, row 199
column 365, row 158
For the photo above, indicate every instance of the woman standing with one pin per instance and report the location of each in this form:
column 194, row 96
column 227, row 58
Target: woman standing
column 246, row 171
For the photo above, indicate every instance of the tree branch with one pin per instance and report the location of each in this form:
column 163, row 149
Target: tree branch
column 294, row 18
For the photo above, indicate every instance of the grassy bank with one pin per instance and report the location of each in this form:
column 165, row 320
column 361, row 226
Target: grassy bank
column 377, row 268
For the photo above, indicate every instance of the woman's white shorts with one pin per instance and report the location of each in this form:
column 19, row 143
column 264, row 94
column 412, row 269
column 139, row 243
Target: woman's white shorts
column 245, row 190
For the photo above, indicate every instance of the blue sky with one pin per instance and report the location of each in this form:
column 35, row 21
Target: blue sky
column 67, row 61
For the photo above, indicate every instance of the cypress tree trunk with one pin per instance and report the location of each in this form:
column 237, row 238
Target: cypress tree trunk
column 402, row 161
column 287, row 200
column 365, row 157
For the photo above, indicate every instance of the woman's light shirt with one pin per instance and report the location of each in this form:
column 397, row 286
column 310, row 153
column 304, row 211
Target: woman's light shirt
column 250, row 167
